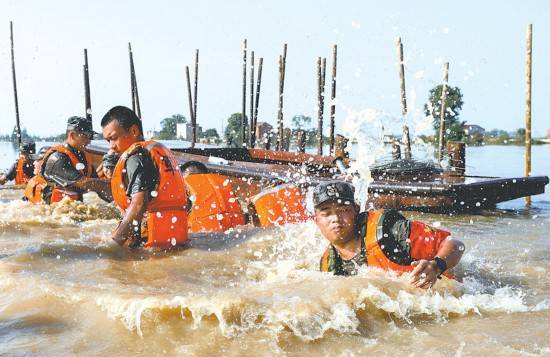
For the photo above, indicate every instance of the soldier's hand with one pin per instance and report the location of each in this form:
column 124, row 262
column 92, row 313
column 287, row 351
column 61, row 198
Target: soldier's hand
column 424, row 274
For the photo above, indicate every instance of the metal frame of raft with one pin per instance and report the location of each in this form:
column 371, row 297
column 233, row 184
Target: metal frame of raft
column 433, row 193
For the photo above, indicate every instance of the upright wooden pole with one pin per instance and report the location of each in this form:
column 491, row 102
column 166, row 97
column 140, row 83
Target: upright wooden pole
column 341, row 143
column 442, row 112
column 332, row 97
column 133, row 82
column 251, row 116
column 280, row 117
column 528, row 71
column 17, row 123
column 457, row 158
column 323, row 78
column 395, row 150
column 285, row 47
column 256, row 102
column 406, row 135
column 194, row 122
column 132, row 87
column 190, row 98
column 280, row 127
column 301, row 133
column 243, row 114
column 87, row 95
column 319, row 106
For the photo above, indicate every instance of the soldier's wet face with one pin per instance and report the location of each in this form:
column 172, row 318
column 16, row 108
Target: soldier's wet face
column 336, row 220
column 118, row 137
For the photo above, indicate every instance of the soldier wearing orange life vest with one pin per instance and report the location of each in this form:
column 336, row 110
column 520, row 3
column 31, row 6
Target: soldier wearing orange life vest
column 67, row 168
column 22, row 170
column 213, row 206
column 147, row 185
column 379, row 238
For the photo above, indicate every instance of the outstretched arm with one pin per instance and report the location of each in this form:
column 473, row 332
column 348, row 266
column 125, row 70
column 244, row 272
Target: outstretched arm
column 129, row 228
column 100, row 186
column 426, row 272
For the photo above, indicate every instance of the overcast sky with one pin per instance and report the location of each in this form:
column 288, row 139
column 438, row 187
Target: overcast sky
column 483, row 41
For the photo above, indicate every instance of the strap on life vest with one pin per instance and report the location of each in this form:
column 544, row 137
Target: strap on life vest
column 167, row 218
column 215, row 207
column 20, row 175
column 278, row 206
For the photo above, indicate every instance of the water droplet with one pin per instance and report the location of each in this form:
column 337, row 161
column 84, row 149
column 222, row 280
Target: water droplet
column 174, row 219
column 173, row 242
column 79, row 166
column 154, row 193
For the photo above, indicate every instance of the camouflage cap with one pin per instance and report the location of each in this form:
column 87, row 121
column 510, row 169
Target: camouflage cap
column 81, row 125
column 27, row 148
column 339, row 191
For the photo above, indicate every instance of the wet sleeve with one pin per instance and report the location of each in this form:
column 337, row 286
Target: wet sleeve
column 141, row 174
column 10, row 175
column 59, row 169
column 425, row 241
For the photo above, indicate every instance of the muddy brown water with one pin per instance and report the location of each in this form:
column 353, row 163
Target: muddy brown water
column 65, row 288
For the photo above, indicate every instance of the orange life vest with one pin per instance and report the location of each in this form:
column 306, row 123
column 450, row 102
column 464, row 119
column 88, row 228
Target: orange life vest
column 20, row 175
column 35, row 189
column 58, row 193
column 167, row 218
column 215, row 207
column 375, row 256
column 279, row 205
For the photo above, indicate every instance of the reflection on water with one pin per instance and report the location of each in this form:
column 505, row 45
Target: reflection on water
column 66, row 287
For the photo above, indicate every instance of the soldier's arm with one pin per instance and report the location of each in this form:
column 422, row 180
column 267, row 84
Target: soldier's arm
column 129, row 228
column 100, row 186
column 10, row 175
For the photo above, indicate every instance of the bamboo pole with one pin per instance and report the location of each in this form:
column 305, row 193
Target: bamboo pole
column 319, row 107
column 528, row 72
column 190, row 99
column 194, row 122
column 332, row 97
column 442, row 112
column 243, row 114
column 406, row 135
column 87, row 95
column 16, row 101
column 251, row 116
column 256, row 102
